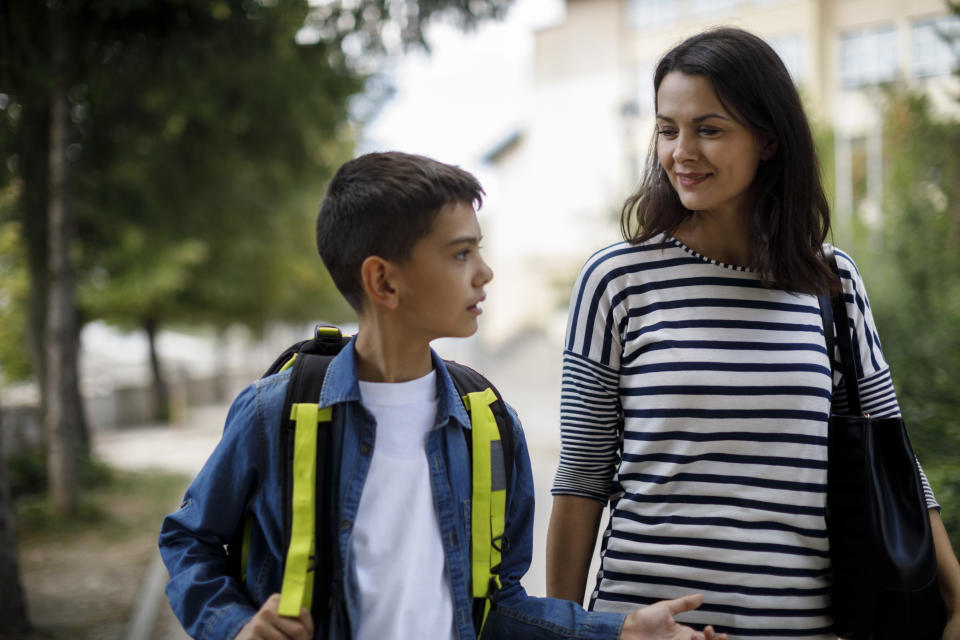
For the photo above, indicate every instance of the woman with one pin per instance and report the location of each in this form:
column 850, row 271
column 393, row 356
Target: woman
column 696, row 385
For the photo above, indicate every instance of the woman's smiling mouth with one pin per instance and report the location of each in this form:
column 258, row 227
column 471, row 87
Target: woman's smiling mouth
column 691, row 179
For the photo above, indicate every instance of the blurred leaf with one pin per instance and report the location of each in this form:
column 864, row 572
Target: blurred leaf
column 911, row 265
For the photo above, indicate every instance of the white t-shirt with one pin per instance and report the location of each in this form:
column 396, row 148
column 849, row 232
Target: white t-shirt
column 404, row 588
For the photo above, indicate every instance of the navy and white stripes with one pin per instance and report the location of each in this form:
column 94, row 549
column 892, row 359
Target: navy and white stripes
column 717, row 479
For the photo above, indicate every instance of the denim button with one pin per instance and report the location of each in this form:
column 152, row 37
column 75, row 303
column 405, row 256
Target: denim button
column 346, row 524
column 365, row 449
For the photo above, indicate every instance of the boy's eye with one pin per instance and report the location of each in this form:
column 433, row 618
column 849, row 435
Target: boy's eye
column 462, row 254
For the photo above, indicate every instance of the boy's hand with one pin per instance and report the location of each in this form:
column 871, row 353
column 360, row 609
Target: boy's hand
column 270, row 625
column 656, row 622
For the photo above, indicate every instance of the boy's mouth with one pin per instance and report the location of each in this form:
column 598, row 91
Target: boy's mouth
column 475, row 307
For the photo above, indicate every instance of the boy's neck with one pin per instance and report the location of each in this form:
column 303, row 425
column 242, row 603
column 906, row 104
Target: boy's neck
column 385, row 356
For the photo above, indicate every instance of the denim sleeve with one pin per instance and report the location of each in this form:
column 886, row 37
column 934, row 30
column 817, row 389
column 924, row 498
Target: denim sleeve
column 514, row 613
column 205, row 598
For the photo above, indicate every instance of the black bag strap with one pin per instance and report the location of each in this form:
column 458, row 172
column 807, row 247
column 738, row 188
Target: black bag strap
column 826, row 316
column 834, row 314
column 306, row 381
column 467, row 380
column 311, row 358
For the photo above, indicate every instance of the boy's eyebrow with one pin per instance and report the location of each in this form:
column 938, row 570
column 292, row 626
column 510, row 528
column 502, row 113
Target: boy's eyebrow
column 465, row 240
column 705, row 116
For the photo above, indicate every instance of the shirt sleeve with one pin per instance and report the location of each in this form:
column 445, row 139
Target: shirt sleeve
column 877, row 394
column 207, row 600
column 590, row 423
column 516, row 614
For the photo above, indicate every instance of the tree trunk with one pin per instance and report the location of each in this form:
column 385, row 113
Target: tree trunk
column 13, row 605
column 61, row 417
column 161, row 393
column 33, row 146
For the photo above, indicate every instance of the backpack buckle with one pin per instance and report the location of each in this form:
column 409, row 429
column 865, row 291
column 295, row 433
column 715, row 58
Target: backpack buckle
column 327, row 340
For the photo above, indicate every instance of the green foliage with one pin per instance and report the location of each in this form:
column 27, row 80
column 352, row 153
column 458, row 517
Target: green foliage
column 945, row 480
column 14, row 291
column 204, row 132
column 189, row 180
column 920, row 308
column 911, row 265
column 27, row 474
column 114, row 505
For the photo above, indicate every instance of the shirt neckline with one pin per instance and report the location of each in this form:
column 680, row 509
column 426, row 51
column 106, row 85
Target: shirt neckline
column 708, row 260
column 422, row 389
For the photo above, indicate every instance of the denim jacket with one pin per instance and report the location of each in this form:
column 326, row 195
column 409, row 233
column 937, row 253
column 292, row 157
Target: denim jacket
column 242, row 476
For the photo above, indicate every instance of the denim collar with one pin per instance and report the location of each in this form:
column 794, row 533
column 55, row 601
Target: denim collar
column 340, row 385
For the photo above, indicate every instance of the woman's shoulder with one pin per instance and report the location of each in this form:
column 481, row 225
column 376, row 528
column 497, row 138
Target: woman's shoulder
column 621, row 254
column 846, row 264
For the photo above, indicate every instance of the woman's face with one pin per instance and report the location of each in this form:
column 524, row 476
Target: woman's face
column 709, row 156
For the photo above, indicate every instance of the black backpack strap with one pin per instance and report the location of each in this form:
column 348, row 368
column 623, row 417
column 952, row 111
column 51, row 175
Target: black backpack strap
column 467, row 380
column 308, row 361
column 306, row 382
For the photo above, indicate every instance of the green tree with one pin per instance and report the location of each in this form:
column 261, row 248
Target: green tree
column 912, row 266
column 159, row 152
column 192, row 176
column 13, row 604
column 194, row 126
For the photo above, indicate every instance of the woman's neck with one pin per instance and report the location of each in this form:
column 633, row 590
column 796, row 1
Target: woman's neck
column 722, row 238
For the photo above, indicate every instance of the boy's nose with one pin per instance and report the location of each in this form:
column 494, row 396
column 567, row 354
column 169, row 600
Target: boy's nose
column 484, row 273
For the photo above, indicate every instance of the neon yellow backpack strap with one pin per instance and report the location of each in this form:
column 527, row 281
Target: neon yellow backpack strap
column 297, row 589
column 489, row 497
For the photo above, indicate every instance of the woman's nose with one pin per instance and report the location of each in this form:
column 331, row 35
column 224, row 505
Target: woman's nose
column 685, row 149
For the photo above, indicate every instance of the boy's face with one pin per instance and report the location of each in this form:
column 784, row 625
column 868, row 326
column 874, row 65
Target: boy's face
column 440, row 287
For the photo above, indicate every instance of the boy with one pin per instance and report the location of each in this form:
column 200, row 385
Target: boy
column 399, row 236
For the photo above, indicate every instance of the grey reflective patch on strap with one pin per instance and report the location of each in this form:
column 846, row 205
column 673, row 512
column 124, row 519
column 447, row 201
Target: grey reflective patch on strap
column 498, row 474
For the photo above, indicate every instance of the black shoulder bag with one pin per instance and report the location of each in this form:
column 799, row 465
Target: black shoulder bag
column 881, row 546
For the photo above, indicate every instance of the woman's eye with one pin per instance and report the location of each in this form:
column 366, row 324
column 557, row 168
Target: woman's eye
column 709, row 131
column 666, row 132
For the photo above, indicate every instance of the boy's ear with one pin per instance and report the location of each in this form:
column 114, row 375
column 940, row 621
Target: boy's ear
column 376, row 276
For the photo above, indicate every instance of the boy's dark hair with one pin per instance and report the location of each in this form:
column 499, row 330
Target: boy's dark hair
column 381, row 204
column 791, row 217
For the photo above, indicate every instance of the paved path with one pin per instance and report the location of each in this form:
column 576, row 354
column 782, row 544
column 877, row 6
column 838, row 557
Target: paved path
column 527, row 373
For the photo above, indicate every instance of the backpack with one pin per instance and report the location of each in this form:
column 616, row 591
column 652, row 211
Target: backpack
column 310, row 466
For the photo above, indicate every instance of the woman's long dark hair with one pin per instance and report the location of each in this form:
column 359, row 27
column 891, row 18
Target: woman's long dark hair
column 791, row 217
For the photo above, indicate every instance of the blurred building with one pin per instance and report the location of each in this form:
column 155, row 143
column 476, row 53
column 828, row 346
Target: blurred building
column 560, row 178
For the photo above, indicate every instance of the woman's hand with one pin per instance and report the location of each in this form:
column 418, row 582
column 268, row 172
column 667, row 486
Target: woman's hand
column 657, row 622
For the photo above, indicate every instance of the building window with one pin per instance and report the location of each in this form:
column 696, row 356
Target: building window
column 795, row 52
column 646, row 14
column 868, row 57
column 705, row 8
column 935, row 46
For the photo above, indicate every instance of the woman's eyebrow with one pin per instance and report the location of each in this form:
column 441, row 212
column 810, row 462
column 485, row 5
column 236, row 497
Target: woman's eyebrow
column 705, row 116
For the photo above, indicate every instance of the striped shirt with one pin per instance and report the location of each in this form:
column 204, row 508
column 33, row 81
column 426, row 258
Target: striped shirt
column 717, row 481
